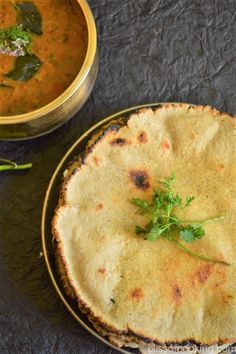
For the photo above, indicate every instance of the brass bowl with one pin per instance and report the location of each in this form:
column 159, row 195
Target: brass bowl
column 57, row 112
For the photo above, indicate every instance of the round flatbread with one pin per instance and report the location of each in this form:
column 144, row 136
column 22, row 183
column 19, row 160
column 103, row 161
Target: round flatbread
column 132, row 289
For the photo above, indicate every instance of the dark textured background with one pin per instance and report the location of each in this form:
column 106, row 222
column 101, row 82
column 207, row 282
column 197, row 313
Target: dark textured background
column 150, row 51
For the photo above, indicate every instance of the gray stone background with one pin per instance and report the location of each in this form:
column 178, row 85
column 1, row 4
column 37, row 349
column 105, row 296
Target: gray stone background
column 150, row 51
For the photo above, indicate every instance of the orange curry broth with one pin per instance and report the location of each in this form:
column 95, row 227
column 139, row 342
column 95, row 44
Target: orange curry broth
column 62, row 48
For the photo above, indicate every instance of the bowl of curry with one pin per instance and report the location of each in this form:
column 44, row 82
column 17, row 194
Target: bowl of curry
column 48, row 57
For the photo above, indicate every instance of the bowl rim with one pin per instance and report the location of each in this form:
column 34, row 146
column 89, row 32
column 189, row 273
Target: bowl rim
column 77, row 82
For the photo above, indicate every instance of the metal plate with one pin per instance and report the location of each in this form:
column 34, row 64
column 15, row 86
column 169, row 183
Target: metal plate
column 50, row 203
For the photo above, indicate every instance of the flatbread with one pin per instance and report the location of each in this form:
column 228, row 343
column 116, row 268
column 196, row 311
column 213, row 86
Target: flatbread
column 133, row 289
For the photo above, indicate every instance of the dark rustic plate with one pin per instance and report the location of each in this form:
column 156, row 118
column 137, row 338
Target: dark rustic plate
column 50, row 203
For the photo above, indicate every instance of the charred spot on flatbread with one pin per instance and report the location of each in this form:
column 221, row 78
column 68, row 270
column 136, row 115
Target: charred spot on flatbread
column 177, row 294
column 120, row 142
column 142, row 137
column 99, row 206
column 140, row 178
column 136, row 294
column 202, row 275
column 97, row 160
column 166, row 145
column 102, row 270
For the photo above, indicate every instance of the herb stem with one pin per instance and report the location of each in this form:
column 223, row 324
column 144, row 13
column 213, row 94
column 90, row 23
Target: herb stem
column 15, row 167
column 202, row 222
column 9, row 162
column 171, row 218
column 204, row 258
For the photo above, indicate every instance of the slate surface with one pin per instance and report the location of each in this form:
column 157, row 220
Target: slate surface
column 150, row 51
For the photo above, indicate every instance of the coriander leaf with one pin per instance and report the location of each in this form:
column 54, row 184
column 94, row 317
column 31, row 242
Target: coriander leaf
column 158, row 198
column 142, row 204
column 157, row 203
column 199, row 232
column 139, row 230
column 191, row 233
column 30, row 17
column 174, row 200
column 188, row 201
column 15, row 41
column 164, row 223
column 25, row 68
column 177, row 200
column 187, row 235
column 154, row 233
column 167, row 182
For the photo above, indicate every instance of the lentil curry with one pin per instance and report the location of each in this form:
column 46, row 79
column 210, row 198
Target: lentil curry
column 57, row 52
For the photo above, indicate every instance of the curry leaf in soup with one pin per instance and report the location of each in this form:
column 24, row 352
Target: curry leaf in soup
column 29, row 16
column 25, row 68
